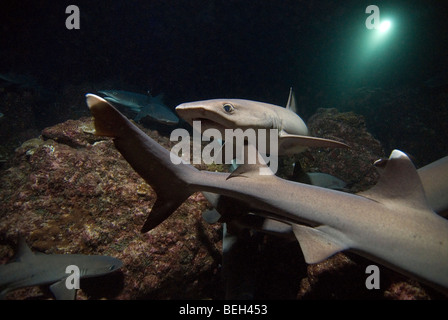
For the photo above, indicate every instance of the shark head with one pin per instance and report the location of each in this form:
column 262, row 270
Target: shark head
column 224, row 114
column 243, row 114
column 99, row 265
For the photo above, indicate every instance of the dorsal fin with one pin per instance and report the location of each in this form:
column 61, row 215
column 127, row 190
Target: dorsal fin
column 399, row 183
column 291, row 104
column 157, row 99
column 23, row 252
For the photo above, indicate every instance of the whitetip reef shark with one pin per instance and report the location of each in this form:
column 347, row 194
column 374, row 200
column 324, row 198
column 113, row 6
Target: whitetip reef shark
column 391, row 223
column 144, row 105
column 220, row 114
column 243, row 114
column 434, row 178
column 35, row 269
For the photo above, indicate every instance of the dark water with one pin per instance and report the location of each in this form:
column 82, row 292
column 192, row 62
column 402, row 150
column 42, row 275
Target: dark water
column 193, row 50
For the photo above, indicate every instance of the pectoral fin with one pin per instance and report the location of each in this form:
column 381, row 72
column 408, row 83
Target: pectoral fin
column 317, row 244
column 61, row 292
column 290, row 143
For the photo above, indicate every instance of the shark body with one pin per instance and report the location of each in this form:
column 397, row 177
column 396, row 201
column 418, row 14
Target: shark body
column 391, row 223
column 32, row 269
column 434, row 177
column 243, row 114
column 144, row 105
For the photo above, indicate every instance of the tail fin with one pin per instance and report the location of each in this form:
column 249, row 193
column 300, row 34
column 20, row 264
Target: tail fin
column 149, row 159
column 162, row 209
column 105, row 116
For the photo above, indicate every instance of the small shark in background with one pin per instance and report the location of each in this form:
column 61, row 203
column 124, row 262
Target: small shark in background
column 22, row 81
column 143, row 104
column 35, row 269
column 391, row 223
column 12, row 81
column 224, row 114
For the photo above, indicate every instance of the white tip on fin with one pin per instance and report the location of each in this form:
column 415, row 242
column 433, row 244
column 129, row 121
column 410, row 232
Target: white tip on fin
column 93, row 99
column 291, row 104
column 399, row 183
column 106, row 118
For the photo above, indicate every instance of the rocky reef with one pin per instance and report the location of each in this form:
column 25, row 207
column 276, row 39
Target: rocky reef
column 68, row 191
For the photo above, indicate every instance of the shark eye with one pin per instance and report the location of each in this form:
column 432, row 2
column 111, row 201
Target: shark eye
column 228, row 107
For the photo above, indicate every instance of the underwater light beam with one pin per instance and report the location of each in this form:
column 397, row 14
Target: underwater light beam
column 385, row 26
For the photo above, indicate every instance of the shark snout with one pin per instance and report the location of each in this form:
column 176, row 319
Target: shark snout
column 189, row 112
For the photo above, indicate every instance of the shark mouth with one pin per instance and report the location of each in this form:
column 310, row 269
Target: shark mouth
column 209, row 124
column 206, row 122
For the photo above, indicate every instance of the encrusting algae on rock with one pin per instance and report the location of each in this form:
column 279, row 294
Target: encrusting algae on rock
column 72, row 192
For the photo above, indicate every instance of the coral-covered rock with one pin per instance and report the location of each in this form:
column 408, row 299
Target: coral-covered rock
column 72, row 192
column 353, row 165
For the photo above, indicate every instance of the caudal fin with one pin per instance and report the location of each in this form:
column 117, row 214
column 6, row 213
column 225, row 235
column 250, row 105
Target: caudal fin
column 149, row 159
column 104, row 117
